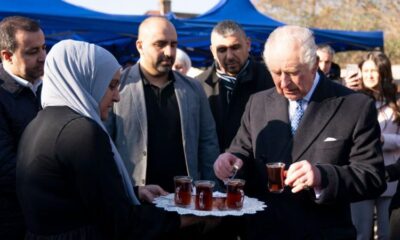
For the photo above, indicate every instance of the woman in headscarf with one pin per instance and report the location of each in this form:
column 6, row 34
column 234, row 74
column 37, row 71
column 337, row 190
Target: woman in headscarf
column 70, row 179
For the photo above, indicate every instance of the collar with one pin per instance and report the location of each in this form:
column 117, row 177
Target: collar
column 23, row 82
column 312, row 90
column 171, row 78
column 306, row 99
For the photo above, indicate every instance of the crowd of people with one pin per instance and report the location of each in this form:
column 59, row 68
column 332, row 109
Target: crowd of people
column 86, row 146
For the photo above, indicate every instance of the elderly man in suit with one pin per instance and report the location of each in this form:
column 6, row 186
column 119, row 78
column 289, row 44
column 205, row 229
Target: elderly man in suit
column 326, row 134
column 162, row 125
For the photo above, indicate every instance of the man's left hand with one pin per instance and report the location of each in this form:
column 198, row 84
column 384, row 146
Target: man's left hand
column 303, row 175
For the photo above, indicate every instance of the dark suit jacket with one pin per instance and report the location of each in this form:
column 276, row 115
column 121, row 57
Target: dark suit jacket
column 227, row 117
column 339, row 133
column 18, row 106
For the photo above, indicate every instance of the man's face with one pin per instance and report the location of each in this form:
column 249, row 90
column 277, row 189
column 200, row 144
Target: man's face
column 292, row 79
column 157, row 48
column 325, row 61
column 27, row 60
column 230, row 52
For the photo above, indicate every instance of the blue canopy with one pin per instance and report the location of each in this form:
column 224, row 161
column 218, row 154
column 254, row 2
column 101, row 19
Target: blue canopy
column 118, row 33
column 258, row 26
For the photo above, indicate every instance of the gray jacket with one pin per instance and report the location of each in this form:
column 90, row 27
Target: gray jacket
column 128, row 126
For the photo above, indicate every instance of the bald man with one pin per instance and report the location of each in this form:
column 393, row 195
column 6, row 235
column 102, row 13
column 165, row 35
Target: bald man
column 162, row 125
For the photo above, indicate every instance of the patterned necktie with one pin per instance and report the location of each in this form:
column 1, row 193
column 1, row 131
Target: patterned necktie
column 298, row 114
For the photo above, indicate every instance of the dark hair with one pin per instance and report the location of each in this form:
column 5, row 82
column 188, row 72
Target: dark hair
column 10, row 25
column 387, row 89
column 228, row 27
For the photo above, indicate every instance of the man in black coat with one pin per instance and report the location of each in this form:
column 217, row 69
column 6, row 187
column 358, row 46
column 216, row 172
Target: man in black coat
column 327, row 135
column 232, row 79
column 23, row 51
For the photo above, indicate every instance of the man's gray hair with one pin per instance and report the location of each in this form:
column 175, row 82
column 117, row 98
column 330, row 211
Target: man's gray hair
column 227, row 28
column 183, row 57
column 326, row 48
column 302, row 36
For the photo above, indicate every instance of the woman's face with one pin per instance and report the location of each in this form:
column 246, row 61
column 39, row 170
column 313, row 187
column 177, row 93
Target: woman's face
column 111, row 96
column 370, row 75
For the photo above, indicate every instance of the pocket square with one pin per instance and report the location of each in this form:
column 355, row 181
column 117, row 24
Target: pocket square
column 330, row 139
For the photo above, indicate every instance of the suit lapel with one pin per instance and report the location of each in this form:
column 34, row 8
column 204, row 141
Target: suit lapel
column 277, row 113
column 139, row 101
column 183, row 103
column 320, row 111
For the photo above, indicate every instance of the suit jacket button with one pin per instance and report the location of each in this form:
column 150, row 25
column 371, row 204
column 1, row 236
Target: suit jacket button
column 144, row 153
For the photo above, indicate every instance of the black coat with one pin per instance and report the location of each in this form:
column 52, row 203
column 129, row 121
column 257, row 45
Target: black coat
column 227, row 117
column 18, row 106
column 338, row 133
column 69, row 185
column 393, row 174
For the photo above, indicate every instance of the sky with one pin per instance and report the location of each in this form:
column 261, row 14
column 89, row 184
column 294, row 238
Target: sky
column 139, row 7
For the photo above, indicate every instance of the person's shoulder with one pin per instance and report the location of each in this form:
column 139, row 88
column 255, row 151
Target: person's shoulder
column 206, row 74
column 262, row 95
column 83, row 129
column 344, row 92
column 66, row 118
column 186, row 79
column 84, row 123
column 267, row 92
column 129, row 75
column 8, row 86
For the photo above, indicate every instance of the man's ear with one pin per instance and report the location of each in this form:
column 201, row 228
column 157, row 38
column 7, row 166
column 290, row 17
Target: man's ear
column 212, row 51
column 248, row 44
column 139, row 45
column 6, row 55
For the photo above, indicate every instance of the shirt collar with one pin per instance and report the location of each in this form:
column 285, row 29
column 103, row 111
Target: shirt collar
column 24, row 82
column 146, row 82
column 306, row 99
column 310, row 93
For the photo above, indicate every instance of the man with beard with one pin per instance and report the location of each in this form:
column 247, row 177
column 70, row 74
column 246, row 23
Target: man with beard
column 162, row 125
column 232, row 79
column 23, row 51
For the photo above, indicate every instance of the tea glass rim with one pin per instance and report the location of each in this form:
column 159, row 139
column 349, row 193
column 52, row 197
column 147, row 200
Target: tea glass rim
column 205, row 182
column 183, row 177
column 242, row 182
column 276, row 164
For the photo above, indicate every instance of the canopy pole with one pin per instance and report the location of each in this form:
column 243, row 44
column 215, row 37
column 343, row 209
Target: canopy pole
column 165, row 7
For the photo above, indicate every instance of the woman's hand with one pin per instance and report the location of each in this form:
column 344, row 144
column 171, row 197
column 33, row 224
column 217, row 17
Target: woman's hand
column 149, row 192
column 353, row 82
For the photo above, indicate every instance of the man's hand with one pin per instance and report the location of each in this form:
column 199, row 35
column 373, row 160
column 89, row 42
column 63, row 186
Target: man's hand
column 225, row 165
column 149, row 192
column 302, row 175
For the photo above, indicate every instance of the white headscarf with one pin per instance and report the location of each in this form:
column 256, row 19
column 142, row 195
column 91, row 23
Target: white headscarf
column 77, row 75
